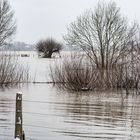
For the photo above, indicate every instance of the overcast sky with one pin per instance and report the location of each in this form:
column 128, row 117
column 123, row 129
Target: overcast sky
column 37, row 19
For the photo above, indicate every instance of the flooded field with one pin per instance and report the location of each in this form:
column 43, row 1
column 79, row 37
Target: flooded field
column 52, row 114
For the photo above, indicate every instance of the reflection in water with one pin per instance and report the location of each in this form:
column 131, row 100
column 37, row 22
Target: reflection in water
column 6, row 116
column 104, row 116
column 50, row 115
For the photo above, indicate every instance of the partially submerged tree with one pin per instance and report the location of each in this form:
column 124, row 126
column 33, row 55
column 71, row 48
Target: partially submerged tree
column 103, row 34
column 7, row 22
column 111, row 46
column 11, row 71
column 48, row 47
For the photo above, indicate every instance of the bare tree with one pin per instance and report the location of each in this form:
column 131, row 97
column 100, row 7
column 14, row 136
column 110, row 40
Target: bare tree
column 7, row 22
column 48, row 47
column 103, row 34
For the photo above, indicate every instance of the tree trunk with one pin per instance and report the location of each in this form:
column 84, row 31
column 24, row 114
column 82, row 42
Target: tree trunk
column 49, row 55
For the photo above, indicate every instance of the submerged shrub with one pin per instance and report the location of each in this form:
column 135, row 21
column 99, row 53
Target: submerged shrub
column 11, row 71
column 78, row 73
column 74, row 73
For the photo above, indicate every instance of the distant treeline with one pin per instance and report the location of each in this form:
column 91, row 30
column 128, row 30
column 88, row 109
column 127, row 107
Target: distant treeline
column 19, row 46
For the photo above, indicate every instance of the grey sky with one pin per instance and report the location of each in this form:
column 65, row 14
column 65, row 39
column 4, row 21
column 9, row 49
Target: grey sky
column 37, row 19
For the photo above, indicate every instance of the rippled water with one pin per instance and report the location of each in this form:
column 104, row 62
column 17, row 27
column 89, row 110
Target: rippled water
column 51, row 114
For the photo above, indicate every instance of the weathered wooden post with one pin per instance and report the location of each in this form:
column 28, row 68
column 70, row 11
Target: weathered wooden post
column 23, row 135
column 18, row 117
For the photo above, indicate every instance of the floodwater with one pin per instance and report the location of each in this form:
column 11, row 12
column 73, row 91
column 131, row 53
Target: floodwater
column 52, row 114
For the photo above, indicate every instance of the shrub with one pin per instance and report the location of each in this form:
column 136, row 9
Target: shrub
column 11, row 72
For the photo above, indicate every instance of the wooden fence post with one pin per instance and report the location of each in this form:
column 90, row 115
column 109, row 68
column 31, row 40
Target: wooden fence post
column 18, row 117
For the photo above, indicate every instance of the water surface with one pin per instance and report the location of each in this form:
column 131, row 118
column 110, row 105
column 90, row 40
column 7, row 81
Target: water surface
column 52, row 114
